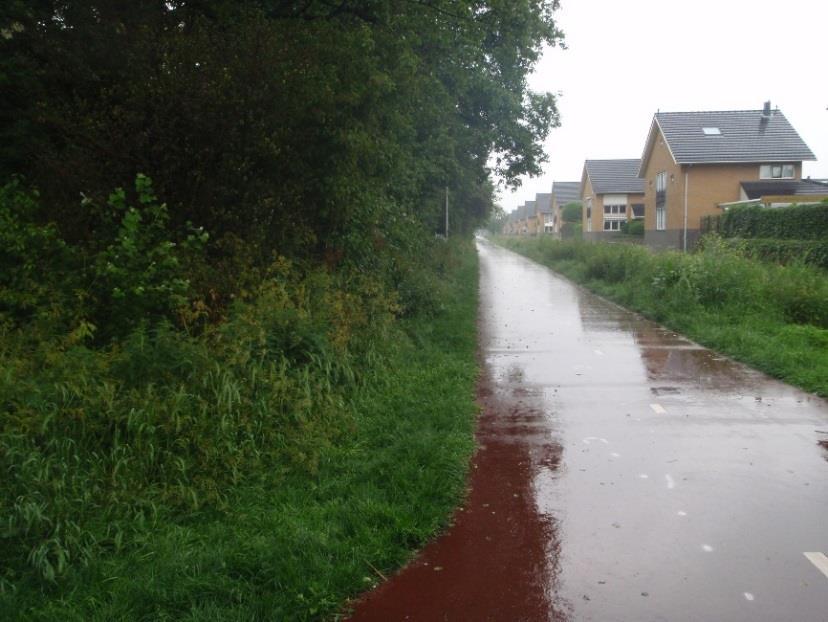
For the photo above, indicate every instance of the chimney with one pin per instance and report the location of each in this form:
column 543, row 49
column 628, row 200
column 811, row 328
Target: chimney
column 766, row 111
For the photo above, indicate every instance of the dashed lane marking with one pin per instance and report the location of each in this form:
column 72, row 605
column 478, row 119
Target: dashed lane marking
column 670, row 481
column 819, row 560
column 658, row 409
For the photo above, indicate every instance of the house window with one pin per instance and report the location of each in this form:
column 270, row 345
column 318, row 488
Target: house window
column 776, row 171
column 661, row 218
column 615, row 210
column 589, row 213
column 661, row 189
column 614, row 215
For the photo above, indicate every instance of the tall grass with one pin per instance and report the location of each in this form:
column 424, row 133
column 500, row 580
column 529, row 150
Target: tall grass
column 258, row 471
column 773, row 317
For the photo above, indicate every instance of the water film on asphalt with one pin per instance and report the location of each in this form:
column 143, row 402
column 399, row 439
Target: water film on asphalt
column 623, row 473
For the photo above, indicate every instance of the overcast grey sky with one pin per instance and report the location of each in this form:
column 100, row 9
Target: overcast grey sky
column 626, row 59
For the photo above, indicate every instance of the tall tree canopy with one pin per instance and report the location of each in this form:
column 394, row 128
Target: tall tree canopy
column 307, row 127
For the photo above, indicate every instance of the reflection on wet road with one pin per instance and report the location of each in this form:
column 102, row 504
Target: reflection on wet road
column 624, row 473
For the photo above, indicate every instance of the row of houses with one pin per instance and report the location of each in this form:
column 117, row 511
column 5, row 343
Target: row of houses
column 694, row 164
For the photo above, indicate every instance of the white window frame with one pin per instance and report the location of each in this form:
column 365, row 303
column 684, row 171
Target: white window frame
column 661, row 181
column 615, row 212
column 768, row 171
column 661, row 218
column 588, row 212
column 614, row 215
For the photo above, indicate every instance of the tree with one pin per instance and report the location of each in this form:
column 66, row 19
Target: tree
column 572, row 212
column 311, row 128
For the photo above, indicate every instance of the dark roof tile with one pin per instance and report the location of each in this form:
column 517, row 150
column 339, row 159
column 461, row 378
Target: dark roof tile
column 543, row 201
column 566, row 192
column 611, row 176
column 744, row 136
column 783, row 187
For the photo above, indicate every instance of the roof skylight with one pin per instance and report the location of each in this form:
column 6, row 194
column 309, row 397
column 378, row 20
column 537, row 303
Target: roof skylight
column 711, row 131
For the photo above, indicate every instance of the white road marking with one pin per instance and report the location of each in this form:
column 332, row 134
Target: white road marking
column 820, row 560
column 658, row 409
column 670, row 483
column 615, row 454
column 643, row 476
column 589, row 439
column 707, row 548
column 748, row 596
column 599, row 353
column 681, row 513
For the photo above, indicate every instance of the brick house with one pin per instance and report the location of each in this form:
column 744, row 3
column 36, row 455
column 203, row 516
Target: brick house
column 611, row 193
column 695, row 161
column 563, row 193
column 543, row 207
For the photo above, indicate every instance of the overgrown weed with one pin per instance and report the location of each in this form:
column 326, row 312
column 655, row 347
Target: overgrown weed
column 312, row 390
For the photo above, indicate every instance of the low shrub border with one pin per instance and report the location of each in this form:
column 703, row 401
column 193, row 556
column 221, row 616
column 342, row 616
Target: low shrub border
column 774, row 318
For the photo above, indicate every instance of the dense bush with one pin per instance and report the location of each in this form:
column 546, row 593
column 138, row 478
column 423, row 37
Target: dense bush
column 633, row 227
column 797, row 222
column 132, row 270
column 30, row 252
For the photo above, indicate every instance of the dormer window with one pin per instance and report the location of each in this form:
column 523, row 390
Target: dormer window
column 712, row 131
column 776, row 171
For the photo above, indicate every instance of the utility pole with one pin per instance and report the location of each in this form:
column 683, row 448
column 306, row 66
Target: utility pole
column 447, row 224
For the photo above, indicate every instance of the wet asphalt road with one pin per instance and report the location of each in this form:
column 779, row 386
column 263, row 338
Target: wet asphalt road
column 624, row 473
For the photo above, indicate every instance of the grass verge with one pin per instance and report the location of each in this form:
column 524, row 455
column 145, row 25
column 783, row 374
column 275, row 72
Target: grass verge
column 293, row 543
column 772, row 317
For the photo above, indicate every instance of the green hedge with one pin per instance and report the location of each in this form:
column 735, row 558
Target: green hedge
column 813, row 252
column 633, row 227
column 798, row 222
